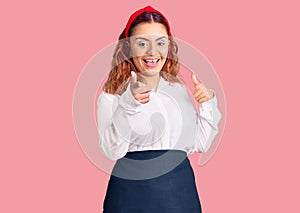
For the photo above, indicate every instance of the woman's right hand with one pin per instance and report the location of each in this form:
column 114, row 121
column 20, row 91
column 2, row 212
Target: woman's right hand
column 139, row 90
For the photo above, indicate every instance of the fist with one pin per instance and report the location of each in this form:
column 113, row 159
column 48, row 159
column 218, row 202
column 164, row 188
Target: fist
column 139, row 90
column 201, row 93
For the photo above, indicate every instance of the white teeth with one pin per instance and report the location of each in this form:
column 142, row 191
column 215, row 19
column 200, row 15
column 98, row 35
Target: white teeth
column 152, row 61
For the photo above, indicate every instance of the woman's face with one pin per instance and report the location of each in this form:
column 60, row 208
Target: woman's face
column 149, row 46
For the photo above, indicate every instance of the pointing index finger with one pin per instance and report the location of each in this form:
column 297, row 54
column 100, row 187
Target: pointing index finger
column 133, row 77
column 195, row 81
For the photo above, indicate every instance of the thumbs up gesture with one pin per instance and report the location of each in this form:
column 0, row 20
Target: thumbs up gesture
column 139, row 90
column 201, row 93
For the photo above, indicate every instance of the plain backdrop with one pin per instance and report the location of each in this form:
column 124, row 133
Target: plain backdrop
column 254, row 48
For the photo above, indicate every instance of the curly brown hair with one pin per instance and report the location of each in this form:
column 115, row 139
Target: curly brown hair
column 122, row 64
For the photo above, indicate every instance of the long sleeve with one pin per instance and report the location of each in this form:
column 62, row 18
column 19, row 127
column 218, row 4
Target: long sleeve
column 168, row 121
column 207, row 124
column 112, row 113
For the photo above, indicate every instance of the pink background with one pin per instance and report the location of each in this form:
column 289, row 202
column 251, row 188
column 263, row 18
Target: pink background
column 254, row 47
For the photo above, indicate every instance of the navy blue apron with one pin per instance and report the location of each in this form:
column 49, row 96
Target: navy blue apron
column 152, row 181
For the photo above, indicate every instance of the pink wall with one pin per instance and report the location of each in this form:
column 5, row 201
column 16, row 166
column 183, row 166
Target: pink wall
column 254, row 48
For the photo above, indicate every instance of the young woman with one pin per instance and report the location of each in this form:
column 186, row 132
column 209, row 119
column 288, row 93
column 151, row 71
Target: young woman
column 147, row 122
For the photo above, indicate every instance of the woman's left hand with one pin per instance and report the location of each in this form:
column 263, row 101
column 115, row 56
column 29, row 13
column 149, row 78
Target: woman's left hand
column 201, row 94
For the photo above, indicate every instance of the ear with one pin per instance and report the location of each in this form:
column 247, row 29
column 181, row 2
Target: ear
column 127, row 46
column 169, row 44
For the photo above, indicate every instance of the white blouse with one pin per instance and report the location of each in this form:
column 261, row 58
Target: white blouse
column 168, row 121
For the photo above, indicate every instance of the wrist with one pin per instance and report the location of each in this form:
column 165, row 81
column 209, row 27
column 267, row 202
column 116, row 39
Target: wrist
column 211, row 93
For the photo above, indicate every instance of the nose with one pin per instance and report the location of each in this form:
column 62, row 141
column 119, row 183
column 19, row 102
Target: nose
column 151, row 50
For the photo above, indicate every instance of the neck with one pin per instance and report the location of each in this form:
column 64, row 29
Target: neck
column 151, row 78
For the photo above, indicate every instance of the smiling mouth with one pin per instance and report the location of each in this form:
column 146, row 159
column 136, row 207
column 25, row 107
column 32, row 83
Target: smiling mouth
column 151, row 62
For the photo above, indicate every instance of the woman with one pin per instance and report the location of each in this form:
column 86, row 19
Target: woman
column 147, row 122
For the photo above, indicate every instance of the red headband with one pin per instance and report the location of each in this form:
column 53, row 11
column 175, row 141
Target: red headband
column 139, row 12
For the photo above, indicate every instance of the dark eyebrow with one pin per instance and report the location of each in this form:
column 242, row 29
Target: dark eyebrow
column 141, row 38
column 161, row 38
column 148, row 39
